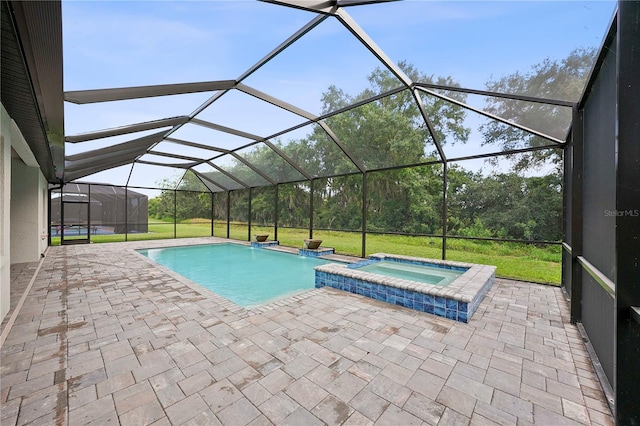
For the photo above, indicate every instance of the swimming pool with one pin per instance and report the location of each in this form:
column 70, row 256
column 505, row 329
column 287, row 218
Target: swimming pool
column 246, row 276
column 421, row 273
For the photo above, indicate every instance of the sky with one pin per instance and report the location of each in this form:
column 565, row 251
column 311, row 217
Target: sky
column 130, row 43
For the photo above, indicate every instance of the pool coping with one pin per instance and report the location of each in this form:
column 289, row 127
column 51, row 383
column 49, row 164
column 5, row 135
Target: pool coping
column 464, row 288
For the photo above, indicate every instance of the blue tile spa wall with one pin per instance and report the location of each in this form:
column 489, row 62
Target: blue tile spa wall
column 436, row 305
column 315, row 253
column 256, row 244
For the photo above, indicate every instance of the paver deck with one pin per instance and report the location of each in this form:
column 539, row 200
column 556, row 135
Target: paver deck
column 107, row 337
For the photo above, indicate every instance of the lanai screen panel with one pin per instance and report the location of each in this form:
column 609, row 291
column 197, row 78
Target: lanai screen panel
column 161, row 159
column 407, row 200
column 154, row 176
column 294, row 205
column 108, row 210
column 598, row 210
column 93, row 144
column 550, row 120
column 492, row 198
column 192, row 182
column 220, row 204
column 81, row 118
column 143, row 44
column 479, row 42
column 193, row 214
column 116, row 176
column 600, row 168
column 209, row 137
column 337, row 203
column 240, row 110
column 316, row 152
column 240, row 170
column 215, row 178
column 137, row 212
column 368, row 135
column 303, row 71
column 239, row 214
column 182, row 149
column 272, row 164
column 263, row 210
column 463, row 132
column 55, row 218
column 310, row 71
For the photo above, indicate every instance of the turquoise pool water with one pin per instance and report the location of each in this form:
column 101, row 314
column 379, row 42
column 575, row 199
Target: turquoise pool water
column 422, row 273
column 246, row 276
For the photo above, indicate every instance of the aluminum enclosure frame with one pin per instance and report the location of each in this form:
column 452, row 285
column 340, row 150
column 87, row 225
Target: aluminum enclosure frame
column 582, row 276
column 602, row 241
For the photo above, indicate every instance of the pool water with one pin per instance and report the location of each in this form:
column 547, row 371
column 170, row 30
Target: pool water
column 246, row 276
column 422, row 273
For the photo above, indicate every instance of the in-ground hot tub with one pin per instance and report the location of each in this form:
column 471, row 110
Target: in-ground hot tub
column 448, row 289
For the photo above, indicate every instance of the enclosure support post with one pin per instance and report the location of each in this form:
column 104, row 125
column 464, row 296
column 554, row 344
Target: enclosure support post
column 444, row 210
column 61, row 214
column 627, row 255
column 212, row 213
column 126, row 213
column 311, row 210
column 49, row 217
column 175, row 213
column 249, row 215
column 364, row 214
column 228, row 213
column 567, row 164
column 89, row 213
column 276, row 202
column 577, row 146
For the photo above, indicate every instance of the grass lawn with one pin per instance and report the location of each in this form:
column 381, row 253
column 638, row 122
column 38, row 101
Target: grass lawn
column 513, row 260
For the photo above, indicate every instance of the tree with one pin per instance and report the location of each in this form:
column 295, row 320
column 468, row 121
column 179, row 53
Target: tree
column 154, row 206
column 294, row 205
column 392, row 131
column 383, row 134
column 190, row 202
column 505, row 205
column 553, row 79
column 263, row 206
column 406, row 200
column 388, row 132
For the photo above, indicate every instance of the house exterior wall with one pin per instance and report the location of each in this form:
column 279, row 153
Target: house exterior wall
column 23, row 206
column 5, row 197
column 27, row 206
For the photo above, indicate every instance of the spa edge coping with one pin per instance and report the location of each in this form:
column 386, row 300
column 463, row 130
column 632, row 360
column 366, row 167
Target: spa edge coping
column 464, row 288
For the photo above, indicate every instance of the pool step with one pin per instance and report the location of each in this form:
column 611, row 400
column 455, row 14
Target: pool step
column 256, row 244
column 342, row 258
column 322, row 251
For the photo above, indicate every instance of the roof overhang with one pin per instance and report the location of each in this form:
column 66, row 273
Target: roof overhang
column 32, row 79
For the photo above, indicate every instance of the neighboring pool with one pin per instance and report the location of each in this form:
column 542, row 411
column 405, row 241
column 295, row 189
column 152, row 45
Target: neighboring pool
column 421, row 273
column 246, row 276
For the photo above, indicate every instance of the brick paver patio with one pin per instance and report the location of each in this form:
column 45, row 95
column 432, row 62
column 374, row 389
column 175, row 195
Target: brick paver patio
column 106, row 337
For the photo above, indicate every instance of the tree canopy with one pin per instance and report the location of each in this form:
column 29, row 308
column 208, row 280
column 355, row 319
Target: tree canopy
column 558, row 79
column 390, row 133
